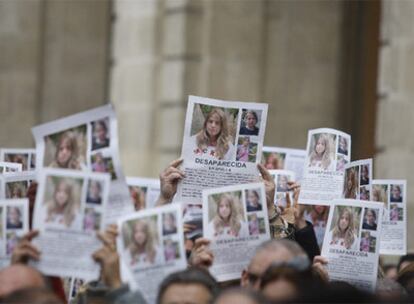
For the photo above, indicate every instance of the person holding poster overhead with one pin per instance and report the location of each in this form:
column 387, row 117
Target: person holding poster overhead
column 343, row 235
column 228, row 221
column 214, row 139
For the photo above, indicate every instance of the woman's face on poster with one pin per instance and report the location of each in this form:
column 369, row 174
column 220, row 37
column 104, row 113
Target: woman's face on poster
column 14, row 215
column 342, row 144
column 252, row 198
column 396, row 193
column 224, row 209
column 100, row 131
column 250, row 121
column 64, row 152
column 370, row 217
column 140, row 234
column 320, row 146
column 214, row 125
column 61, row 195
column 344, row 221
column 364, row 171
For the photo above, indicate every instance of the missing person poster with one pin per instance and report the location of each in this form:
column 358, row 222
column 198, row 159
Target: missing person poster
column 357, row 180
column 276, row 158
column 14, row 219
column 144, row 191
column 69, row 210
column 87, row 141
column 393, row 194
column 282, row 178
column 25, row 157
column 222, row 145
column 328, row 151
column 16, row 184
column 7, row 167
column 151, row 246
column 352, row 242
column 235, row 221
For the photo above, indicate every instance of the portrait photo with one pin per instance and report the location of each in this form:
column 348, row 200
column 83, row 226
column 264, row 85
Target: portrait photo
column 66, row 149
column 351, row 183
column 103, row 164
column 396, row 213
column 273, row 160
column 14, row 217
column 256, row 224
column 344, row 230
column 213, row 132
column 340, row 163
column 343, row 145
column 91, row 220
column 322, row 151
column 138, row 195
column 380, row 194
column 62, row 202
column 100, row 134
column 364, row 193
column 364, row 175
column 226, row 215
column 20, row 158
column 282, row 183
column 368, row 242
column 250, row 122
column 94, row 193
column 246, row 150
column 396, row 194
column 17, row 189
column 142, row 242
column 171, row 250
column 370, row 219
column 253, row 200
column 169, row 223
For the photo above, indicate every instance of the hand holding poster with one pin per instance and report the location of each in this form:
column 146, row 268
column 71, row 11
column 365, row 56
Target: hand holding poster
column 235, row 220
column 144, row 191
column 392, row 193
column 275, row 158
column 328, row 152
column 222, row 145
column 357, row 180
column 151, row 246
column 14, row 223
column 70, row 207
column 86, row 141
column 352, row 243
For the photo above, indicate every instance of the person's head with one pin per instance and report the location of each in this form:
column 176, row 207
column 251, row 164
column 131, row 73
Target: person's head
column 38, row 295
column 245, row 141
column 394, row 207
column 320, row 209
column 350, row 180
column 66, row 149
column 273, row 251
column 63, row 194
column 169, row 221
column 283, row 282
column 364, row 195
column 141, row 233
column 225, row 207
column 17, row 191
column 99, row 158
column 322, row 145
column 228, row 214
column 17, row 277
column 406, row 277
column 215, row 132
column 250, row 119
column 343, row 143
column 283, row 181
column 14, row 215
column 272, row 161
column 100, row 130
column 370, row 216
column 345, row 220
column 187, row 287
column 378, row 194
column 364, row 171
column 390, row 272
column 396, row 191
column 240, row 296
column 404, row 261
column 253, row 197
column 95, row 189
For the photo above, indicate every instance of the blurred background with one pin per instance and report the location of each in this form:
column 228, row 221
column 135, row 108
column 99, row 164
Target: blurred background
column 342, row 64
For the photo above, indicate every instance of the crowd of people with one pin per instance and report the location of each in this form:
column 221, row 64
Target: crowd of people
column 281, row 270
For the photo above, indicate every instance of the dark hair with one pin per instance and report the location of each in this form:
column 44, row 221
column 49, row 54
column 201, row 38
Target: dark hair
column 32, row 295
column 251, row 294
column 405, row 258
column 373, row 212
column 191, row 275
column 102, row 123
column 251, row 112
